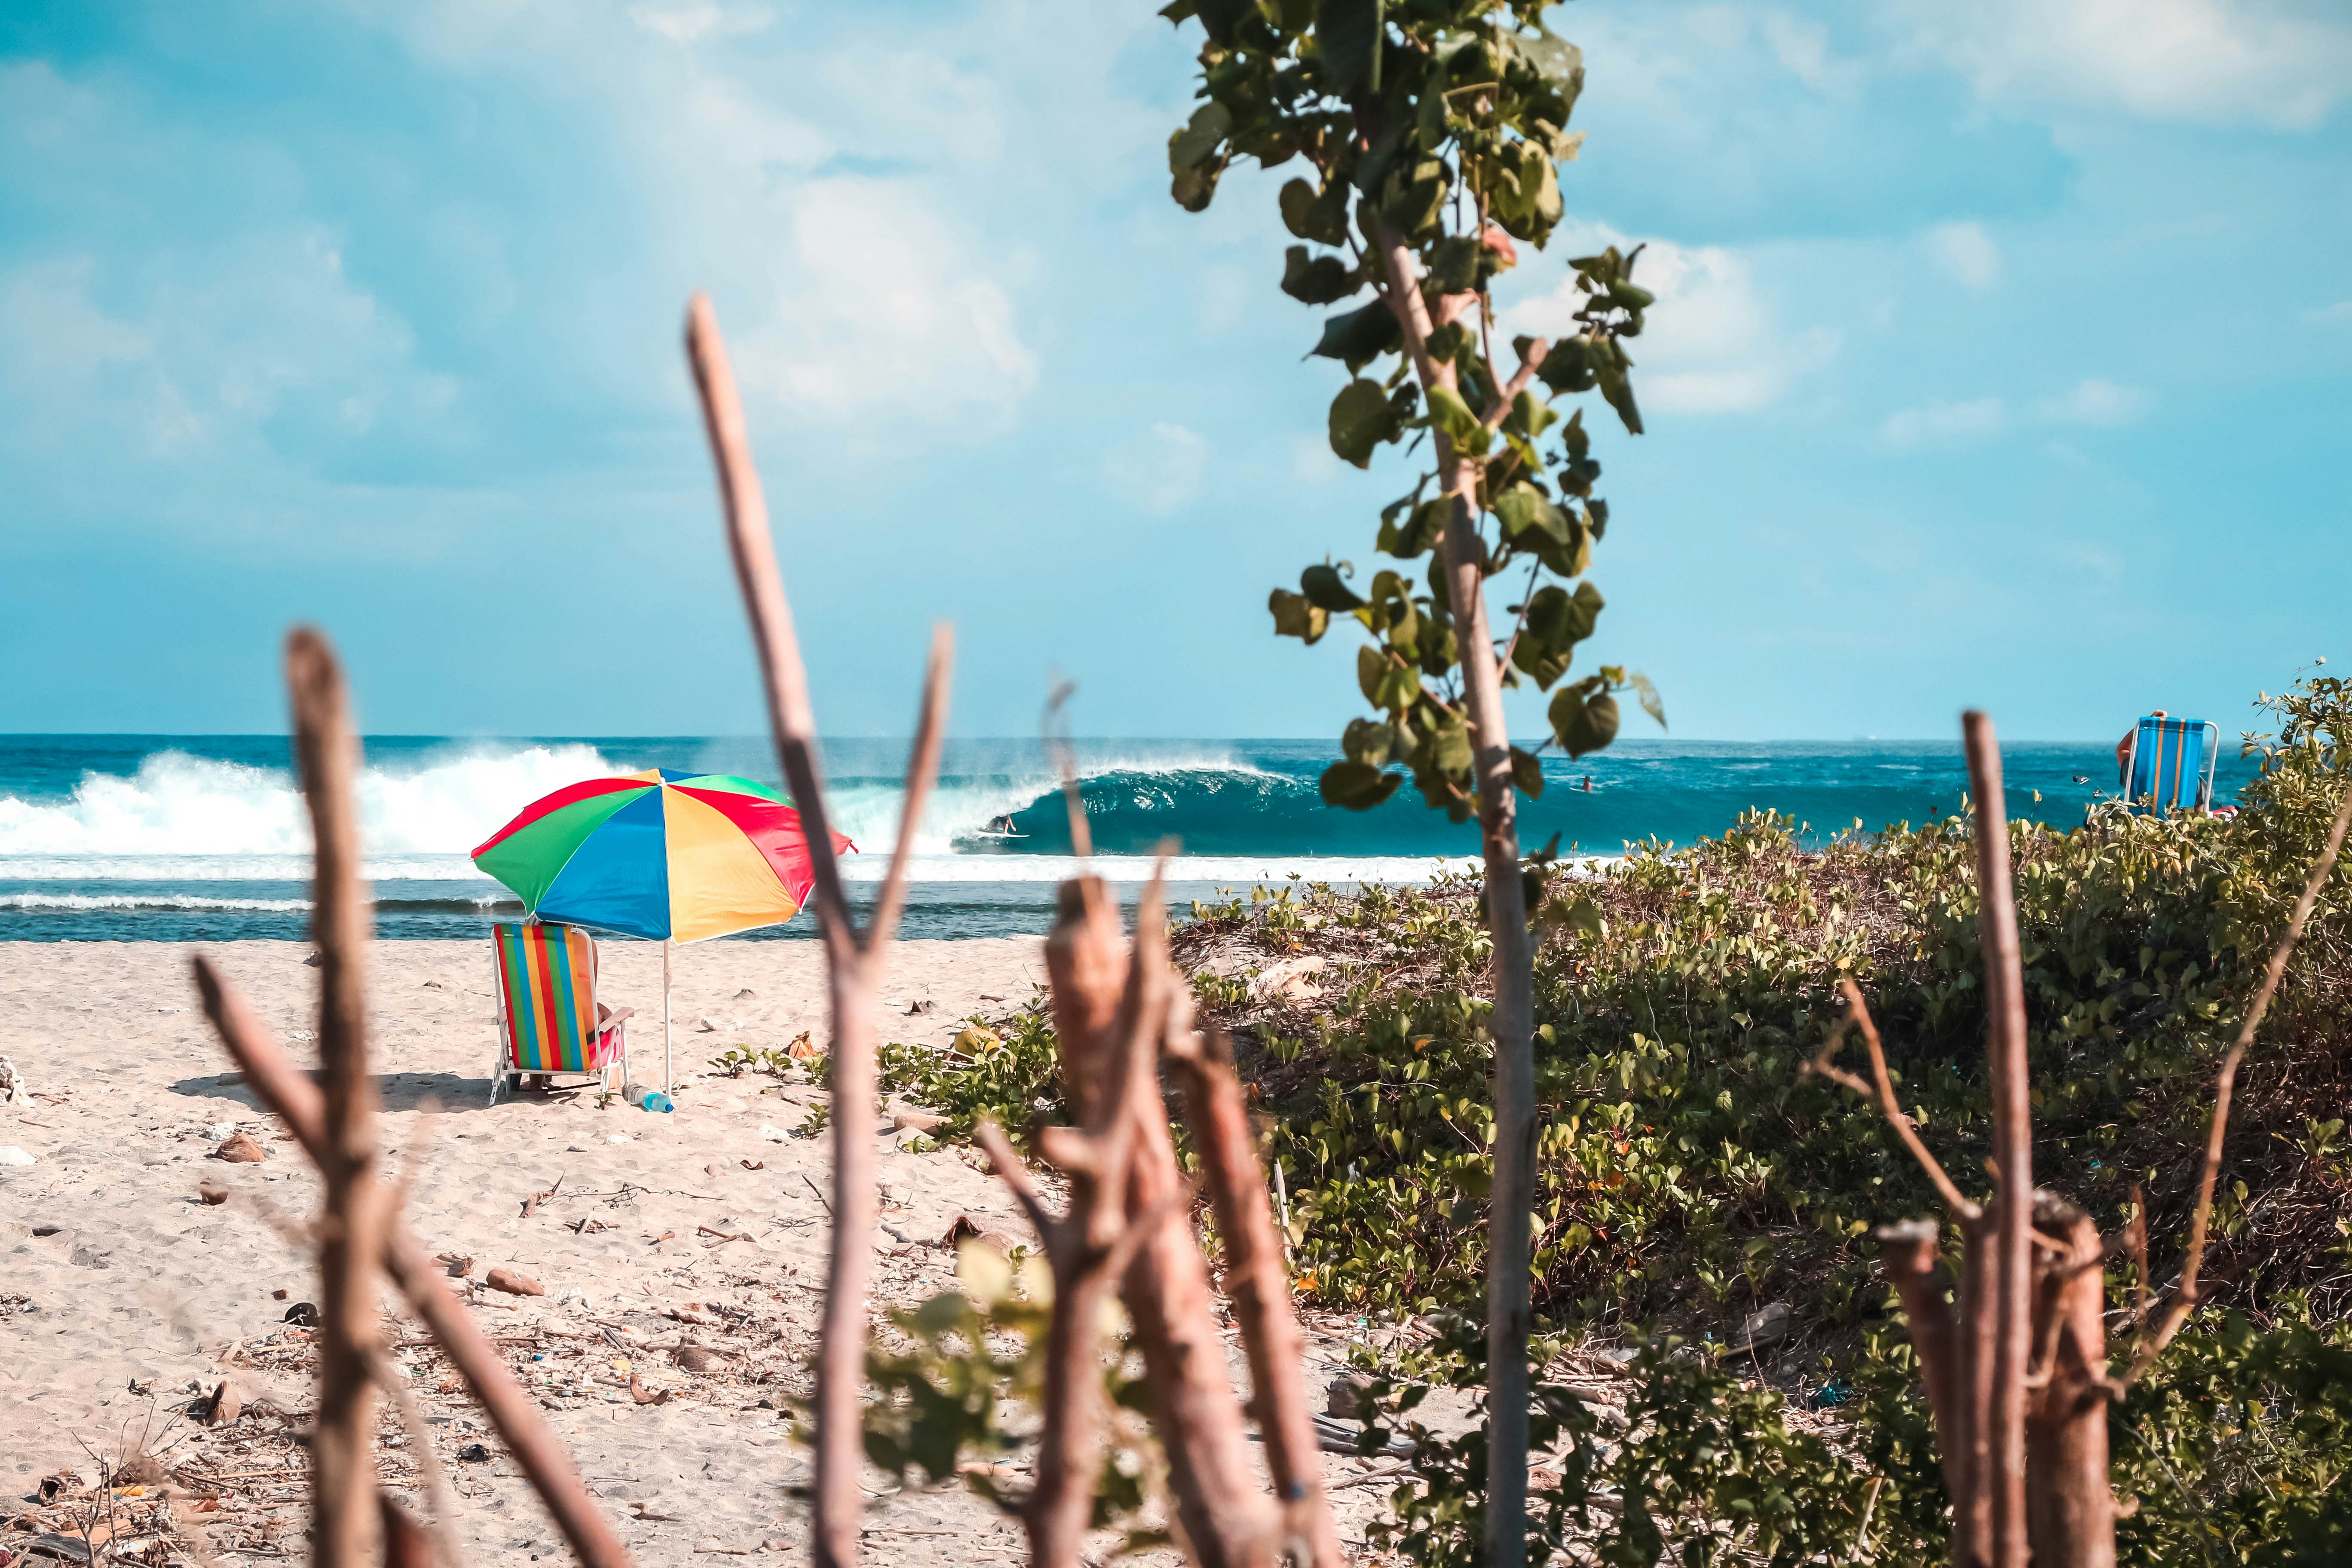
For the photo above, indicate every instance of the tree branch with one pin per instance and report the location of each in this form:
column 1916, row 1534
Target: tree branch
column 922, row 772
column 350, row 1237
column 786, row 678
column 1529, row 364
column 2012, row 1110
column 1258, row 1285
column 2184, row 1297
column 1858, row 1015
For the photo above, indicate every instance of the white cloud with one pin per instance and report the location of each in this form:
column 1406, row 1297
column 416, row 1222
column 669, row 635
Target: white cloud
column 877, row 312
column 258, row 341
column 2282, row 63
column 1161, row 472
column 1312, row 461
column 2339, row 311
column 1803, row 50
column 2096, row 402
column 1945, row 424
column 861, row 207
column 1712, row 344
column 698, row 19
column 1965, row 254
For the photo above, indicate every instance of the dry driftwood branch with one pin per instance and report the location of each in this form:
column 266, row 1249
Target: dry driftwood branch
column 1166, row 1289
column 2011, row 1323
column 351, row 1233
column 2070, row 1506
column 2184, row 1297
column 1913, row 1254
column 1881, row 1090
column 853, row 963
column 1086, row 1249
column 544, row 1460
column 1259, row 1286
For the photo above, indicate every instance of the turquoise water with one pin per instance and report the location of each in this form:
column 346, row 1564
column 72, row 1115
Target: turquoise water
column 191, row 838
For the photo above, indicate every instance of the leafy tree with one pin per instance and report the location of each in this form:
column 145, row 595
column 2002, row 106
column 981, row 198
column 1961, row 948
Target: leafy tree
column 1433, row 132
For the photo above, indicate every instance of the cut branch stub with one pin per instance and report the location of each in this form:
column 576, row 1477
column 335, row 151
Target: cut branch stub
column 2070, row 1508
column 1259, row 1286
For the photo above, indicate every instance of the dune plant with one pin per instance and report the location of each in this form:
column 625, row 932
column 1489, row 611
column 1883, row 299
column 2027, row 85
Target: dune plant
column 1430, row 134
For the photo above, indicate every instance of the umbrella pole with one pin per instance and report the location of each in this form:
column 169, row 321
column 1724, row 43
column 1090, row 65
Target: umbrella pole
column 665, row 1089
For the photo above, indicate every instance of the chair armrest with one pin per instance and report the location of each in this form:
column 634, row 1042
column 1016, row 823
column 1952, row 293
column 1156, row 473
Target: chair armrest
column 614, row 1014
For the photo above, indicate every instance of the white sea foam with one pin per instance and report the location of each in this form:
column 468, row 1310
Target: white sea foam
column 176, row 805
column 183, row 818
column 88, row 902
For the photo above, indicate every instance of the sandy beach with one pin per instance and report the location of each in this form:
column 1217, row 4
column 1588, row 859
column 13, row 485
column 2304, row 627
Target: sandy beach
column 121, row 1293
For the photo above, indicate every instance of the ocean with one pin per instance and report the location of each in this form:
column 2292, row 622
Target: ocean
column 203, row 838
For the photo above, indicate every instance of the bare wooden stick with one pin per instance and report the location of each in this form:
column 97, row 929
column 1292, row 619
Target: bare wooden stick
column 544, row 1460
column 1218, row 1505
column 853, row 963
column 785, row 677
column 1259, row 1286
column 2012, row 1115
column 922, row 772
column 1914, row 1258
column 350, row 1237
column 2184, row 1296
column 403, row 1543
column 2070, row 1506
column 1069, row 1447
column 1881, row 1090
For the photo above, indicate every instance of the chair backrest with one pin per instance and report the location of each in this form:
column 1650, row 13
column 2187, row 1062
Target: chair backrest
column 546, row 996
column 2172, row 763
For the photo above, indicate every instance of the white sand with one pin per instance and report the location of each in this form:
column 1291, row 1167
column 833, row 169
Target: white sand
column 141, row 1281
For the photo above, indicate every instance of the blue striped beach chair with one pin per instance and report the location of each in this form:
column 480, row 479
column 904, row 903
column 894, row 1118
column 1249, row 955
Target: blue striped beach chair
column 2171, row 765
column 547, row 1007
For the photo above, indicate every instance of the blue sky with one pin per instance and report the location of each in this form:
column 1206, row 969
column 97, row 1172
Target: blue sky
column 2003, row 357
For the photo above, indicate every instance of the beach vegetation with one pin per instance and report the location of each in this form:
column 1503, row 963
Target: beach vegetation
column 1690, row 1174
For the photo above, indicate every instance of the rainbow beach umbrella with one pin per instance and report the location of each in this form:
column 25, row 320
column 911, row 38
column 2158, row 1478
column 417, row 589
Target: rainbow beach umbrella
column 662, row 855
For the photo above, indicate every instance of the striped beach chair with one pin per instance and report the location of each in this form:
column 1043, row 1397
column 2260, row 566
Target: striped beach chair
column 2171, row 764
column 546, row 1006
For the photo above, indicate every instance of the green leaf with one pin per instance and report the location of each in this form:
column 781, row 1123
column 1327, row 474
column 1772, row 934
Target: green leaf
column 1388, row 681
column 1319, row 216
column 1652, row 703
column 1527, row 772
column 1449, row 342
column 1210, row 123
column 1452, row 416
column 1357, row 786
column 1326, row 590
column 1294, row 616
column 1453, row 264
column 1179, row 11
column 1567, row 368
column 1345, row 31
column 1317, row 280
column 1362, row 418
column 1369, row 742
column 1582, row 724
column 1196, row 187
column 1358, row 337
column 1223, row 18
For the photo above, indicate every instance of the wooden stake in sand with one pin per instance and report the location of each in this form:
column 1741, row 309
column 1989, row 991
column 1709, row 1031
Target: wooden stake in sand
column 854, row 961
column 351, row 1232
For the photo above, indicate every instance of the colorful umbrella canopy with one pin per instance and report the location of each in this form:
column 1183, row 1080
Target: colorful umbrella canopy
column 660, row 853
